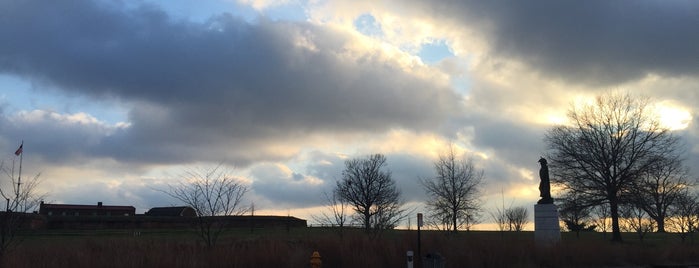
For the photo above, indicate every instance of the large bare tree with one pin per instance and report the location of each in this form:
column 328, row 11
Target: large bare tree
column 368, row 187
column 658, row 189
column 212, row 193
column 454, row 192
column 606, row 148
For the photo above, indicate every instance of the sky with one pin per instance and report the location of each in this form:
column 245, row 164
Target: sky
column 116, row 100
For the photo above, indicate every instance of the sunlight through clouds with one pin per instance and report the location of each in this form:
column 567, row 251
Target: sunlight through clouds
column 673, row 116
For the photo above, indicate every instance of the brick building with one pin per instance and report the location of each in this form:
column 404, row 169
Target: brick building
column 85, row 210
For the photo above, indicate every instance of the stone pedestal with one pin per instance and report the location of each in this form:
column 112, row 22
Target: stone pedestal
column 546, row 227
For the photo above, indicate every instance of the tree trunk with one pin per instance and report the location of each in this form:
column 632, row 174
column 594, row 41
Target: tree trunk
column 614, row 209
column 453, row 220
column 661, row 224
column 367, row 221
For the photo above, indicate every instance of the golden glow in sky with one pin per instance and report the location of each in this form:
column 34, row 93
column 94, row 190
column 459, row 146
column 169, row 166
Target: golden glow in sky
column 673, row 117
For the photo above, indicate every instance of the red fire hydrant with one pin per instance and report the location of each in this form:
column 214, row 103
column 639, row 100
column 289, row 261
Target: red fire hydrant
column 315, row 260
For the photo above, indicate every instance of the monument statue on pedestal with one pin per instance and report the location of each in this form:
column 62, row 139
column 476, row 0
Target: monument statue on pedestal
column 545, row 184
column 546, row 226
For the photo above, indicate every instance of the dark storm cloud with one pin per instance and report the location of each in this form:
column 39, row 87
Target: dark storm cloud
column 226, row 83
column 593, row 42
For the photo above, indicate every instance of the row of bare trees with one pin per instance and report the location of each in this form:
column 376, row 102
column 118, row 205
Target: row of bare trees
column 615, row 156
column 614, row 159
column 367, row 188
column 369, row 191
column 453, row 204
column 681, row 216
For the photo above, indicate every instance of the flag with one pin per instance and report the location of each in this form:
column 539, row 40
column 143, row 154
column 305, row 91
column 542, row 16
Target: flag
column 19, row 150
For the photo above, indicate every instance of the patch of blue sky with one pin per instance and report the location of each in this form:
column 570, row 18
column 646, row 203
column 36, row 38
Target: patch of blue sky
column 460, row 78
column 367, row 25
column 461, row 83
column 434, row 52
column 287, row 12
column 20, row 95
column 202, row 11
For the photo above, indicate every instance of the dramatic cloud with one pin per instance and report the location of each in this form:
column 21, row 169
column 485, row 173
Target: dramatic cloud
column 590, row 42
column 221, row 85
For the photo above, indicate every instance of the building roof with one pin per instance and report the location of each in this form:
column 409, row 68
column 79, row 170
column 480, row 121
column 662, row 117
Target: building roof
column 170, row 211
column 85, row 207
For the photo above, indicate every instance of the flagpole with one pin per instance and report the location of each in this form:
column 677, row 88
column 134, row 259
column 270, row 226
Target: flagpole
column 19, row 177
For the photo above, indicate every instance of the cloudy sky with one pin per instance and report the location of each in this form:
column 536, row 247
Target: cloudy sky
column 115, row 99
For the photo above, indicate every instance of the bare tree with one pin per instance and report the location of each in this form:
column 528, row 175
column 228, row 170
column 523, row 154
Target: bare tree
column 685, row 215
column 442, row 221
column 371, row 192
column 517, row 218
column 576, row 214
column 454, row 192
column 602, row 217
column 636, row 220
column 21, row 198
column 388, row 216
column 499, row 215
column 212, row 193
column 500, row 218
column 337, row 212
column 606, row 148
column 658, row 189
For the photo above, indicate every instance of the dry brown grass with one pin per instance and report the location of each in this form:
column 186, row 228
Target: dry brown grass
column 278, row 249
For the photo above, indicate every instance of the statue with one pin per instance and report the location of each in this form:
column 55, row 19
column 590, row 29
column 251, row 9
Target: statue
column 545, row 184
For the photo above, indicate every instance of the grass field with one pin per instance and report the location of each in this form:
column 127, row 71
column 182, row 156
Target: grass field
column 279, row 248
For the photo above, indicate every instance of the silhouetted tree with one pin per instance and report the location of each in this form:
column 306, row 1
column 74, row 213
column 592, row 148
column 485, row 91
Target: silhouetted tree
column 575, row 213
column 606, row 149
column 368, row 187
column 517, row 218
column 454, row 192
column 337, row 216
column 211, row 192
column 601, row 217
column 636, row 220
column 685, row 215
column 21, row 199
column 499, row 216
column 658, row 188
